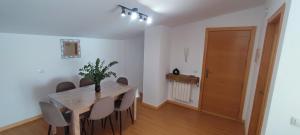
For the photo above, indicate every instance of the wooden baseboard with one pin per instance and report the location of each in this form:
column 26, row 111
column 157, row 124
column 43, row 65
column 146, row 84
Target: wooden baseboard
column 169, row 102
column 20, row 123
column 182, row 105
column 152, row 106
column 222, row 116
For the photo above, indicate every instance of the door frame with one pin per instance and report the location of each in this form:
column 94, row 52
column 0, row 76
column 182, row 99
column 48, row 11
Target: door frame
column 246, row 74
column 278, row 16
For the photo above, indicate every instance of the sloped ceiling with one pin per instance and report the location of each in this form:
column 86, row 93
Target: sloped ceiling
column 101, row 18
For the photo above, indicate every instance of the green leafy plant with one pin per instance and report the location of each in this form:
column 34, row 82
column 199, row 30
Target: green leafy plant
column 98, row 71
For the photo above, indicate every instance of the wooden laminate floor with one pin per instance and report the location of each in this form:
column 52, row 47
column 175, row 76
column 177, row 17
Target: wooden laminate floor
column 168, row 120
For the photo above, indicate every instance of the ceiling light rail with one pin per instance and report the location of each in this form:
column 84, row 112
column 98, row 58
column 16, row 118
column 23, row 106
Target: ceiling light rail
column 135, row 14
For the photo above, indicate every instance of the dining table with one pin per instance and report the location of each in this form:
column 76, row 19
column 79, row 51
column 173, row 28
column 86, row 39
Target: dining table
column 80, row 100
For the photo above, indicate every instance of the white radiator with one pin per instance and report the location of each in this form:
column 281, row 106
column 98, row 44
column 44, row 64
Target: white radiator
column 181, row 91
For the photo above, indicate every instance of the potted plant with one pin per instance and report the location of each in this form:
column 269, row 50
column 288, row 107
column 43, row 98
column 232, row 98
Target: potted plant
column 97, row 72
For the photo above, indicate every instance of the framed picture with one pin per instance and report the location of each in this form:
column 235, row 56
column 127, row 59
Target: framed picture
column 70, row 48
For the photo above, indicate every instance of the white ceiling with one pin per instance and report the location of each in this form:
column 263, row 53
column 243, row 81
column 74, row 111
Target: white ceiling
column 101, row 18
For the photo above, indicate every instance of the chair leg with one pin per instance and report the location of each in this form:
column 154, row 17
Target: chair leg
column 83, row 126
column 120, row 123
column 117, row 115
column 49, row 130
column 88, row 122
column 104, row 122
column 66, row 130
column 92, row 133
column 131, row 116
column 111, row 125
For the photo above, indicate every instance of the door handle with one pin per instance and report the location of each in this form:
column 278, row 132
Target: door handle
column 206, row 73
column 261, row 92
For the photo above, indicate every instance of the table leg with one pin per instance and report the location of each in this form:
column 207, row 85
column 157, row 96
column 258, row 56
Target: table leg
column 75, row 125
column 53, row 130
column 135, row 108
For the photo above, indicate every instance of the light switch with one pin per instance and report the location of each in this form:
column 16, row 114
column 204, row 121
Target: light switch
column 295, row 122
column 41, row 71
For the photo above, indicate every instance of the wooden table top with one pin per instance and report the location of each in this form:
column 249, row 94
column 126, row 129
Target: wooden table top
column 81, row 99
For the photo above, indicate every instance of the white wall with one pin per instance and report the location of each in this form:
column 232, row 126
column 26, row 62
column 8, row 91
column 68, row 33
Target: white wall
column 21, row 56
column 284, row 101
column 134, row 64
column 156, row 65
column 164, row 63
column 192, row 36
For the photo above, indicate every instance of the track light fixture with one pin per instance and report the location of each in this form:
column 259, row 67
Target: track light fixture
column 149, row 20
column 141, row 18
column 135, row 14
column 123, row 14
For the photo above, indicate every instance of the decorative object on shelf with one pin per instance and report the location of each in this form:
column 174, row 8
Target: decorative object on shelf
column 176, row 71
column 70, row 48
column 135, row 14
column 97, row 72
column 186, row 53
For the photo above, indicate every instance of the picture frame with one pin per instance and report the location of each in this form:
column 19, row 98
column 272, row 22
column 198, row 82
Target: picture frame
column 70, row 48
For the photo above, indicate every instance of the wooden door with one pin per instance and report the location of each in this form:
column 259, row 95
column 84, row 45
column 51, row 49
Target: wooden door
column 265, row 72
column 225, row 70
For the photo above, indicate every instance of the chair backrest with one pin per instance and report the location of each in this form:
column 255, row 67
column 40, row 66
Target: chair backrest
column 122, row 80
column 64, row 86
column 52, row 115
column 102, row 108
column 127, row 99
column 85, row 82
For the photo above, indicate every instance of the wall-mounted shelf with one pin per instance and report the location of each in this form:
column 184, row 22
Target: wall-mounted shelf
column 191, row 79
